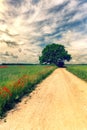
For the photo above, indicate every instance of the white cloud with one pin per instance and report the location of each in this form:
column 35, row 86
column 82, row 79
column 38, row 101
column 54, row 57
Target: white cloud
column 29, row 25
column 76, row 44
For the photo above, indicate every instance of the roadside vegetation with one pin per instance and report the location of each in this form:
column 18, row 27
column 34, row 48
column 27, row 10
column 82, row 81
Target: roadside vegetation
column 17, row 81
column 78, row 70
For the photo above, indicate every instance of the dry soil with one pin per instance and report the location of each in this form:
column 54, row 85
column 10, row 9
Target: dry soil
column 58, row 103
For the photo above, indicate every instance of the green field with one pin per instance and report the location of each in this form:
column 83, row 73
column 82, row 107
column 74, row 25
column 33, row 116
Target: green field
column 78, row 70
column 16, row 81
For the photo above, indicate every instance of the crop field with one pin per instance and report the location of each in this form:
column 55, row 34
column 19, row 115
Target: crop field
column 16, row 81
column 78, row 70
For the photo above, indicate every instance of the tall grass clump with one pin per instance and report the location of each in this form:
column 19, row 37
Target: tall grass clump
column 16, row 81
column 78, row 70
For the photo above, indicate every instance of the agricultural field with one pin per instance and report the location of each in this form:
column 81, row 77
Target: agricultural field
column 78, row 70
column 16, row 81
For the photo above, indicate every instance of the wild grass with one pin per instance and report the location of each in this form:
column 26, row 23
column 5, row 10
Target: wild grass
column 78, row 70
column 16, row 81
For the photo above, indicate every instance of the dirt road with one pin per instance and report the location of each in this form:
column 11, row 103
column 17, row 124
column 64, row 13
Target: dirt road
column 58, row 103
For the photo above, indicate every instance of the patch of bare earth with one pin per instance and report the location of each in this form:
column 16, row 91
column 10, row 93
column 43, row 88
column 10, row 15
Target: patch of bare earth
column 58, row 103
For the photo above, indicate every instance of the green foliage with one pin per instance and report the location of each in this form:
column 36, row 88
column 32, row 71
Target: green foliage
column 54, row 54
column 16, row 81
column 78, row 70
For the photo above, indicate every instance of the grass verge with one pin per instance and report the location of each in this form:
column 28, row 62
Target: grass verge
column 17, row 81
column 78, row 70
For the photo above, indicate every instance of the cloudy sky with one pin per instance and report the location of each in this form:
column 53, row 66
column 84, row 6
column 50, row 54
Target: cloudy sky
column 27, row 26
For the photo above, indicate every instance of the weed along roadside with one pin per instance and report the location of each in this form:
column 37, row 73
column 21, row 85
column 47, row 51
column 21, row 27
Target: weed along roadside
column 15, row 82
column 78, row 70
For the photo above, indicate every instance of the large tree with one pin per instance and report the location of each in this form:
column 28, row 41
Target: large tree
column 54, row 54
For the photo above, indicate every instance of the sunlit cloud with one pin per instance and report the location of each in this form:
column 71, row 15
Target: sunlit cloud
column 27, row 26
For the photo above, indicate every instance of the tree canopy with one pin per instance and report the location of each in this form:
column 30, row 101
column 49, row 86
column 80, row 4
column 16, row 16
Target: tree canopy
column 54, row 54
